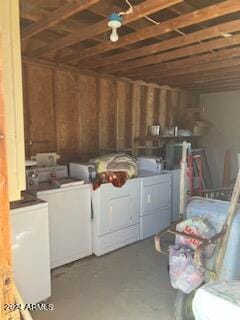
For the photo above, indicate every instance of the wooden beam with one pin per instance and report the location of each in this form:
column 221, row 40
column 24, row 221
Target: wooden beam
column 211, row 12
column 185, row 65
column 205, row 77
column 217, row 65
column 214, row 86
column 103, row 9
column 176, row 54
column 6, row 275
column 177, row 42
column 36, row 14
column 57, row 16
column 213, row 82
column 55, row 66
column 145, row 8
column 69, row 26
column 211, row 90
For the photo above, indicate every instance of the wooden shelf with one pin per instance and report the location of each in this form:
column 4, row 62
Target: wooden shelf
column 192, row 109
column 147, row 147
column 157, row 138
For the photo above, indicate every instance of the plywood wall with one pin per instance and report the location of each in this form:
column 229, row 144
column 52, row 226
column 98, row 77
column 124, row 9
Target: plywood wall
column 80, row 116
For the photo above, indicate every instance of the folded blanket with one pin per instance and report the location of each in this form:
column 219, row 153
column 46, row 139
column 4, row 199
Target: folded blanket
column 117, row 179
column 116, row 162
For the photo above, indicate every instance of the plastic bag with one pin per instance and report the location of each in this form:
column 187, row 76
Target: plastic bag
column 184, row 275
column 199, row 227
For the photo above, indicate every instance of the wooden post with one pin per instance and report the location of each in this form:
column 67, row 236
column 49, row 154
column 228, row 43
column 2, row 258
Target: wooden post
column 227, row 169
column 183, row 182
column 228, row 223
column 6, row 276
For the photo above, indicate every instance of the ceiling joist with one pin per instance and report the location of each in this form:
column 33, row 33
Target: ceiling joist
column 148, row 7
column 214, row 11
column 166, row 45
column 57, row 16
column 179, row 53
column 175, row 67
column 185, row 44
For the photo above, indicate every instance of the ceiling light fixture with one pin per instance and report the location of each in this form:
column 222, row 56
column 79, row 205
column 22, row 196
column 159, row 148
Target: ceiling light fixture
column 115, row 21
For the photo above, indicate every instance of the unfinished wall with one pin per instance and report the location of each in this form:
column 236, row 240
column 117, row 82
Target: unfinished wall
column 81, row 115
column 223, row 110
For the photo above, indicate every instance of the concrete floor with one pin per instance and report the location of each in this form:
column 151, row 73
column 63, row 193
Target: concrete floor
column 128, row 284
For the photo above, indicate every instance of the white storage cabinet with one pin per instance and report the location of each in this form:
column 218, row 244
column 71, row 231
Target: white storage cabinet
column 155, row 213
column 30, row 247
column 70, row 223
column 115, row 216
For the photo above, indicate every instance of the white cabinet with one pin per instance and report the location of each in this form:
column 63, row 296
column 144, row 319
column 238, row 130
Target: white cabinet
column 30, row 247
column 70, row 223
column 155, row 213
column 115, row 216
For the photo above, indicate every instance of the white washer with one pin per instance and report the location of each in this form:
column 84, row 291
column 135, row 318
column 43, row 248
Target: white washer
column 30, row 244
column 70, row 223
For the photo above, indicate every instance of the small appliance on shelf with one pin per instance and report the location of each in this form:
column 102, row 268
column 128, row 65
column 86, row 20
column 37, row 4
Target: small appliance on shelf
column 84, row 171
column 153, row 164
column 45, row 167
column 48, row 159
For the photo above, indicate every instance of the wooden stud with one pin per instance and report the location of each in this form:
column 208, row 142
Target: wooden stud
column 149, row 116
column 88, row 113
column 136, row 98
column 163, row 108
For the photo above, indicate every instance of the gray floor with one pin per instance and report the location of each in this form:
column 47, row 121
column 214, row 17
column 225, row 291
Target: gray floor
column 128, row 284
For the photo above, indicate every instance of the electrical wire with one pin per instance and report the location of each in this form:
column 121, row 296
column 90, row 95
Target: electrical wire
column 130, row 9
column 177, row 30
column 156, row 22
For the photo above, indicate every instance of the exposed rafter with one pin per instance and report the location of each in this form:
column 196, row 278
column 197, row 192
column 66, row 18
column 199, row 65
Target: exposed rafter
column 57, row 16
column 174, row 43
column 214, row 11
column 176, row 67
column 148, row 7
column 185, row 45
column 179, row 53
column 194, row 71
column 205, row 77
